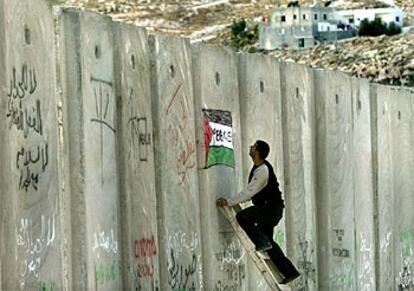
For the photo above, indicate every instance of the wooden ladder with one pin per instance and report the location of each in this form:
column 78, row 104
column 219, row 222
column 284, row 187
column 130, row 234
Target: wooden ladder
column 266, row 267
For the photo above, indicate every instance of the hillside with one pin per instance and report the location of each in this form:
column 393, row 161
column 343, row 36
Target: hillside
column 388, row 60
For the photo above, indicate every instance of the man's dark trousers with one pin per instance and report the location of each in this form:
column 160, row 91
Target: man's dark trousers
column 258, row 223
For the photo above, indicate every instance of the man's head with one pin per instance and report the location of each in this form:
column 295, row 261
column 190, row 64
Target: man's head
column 260, row 149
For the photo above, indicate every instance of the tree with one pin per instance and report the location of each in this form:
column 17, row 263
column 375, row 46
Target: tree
column 377, row 27
column 243, row 34
column 372, row 28
column 393, row 29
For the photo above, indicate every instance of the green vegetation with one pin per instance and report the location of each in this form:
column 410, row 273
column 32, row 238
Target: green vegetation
column 376, row 28
column 243, row 34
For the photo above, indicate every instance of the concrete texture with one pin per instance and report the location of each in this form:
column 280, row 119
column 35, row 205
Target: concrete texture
column 136, row 159
column 216, row 88
column 176, row 164
column 395, row 189
column 258, row 87
column 31, row 250
column 335, row 191
column 363, row 186
column 299, row 123
column 78, row 144
column 3, row 85
column 87, row 69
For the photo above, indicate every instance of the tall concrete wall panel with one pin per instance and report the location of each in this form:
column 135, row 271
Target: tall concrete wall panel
column 335, row 193
column 362, row 169
column 87, row 69
column 136, row 159
column 261, row 118
column 176, row 165
column 217, row 99
column 31, row 230
column 395, row 197
column 2, row 131
column 300, row 177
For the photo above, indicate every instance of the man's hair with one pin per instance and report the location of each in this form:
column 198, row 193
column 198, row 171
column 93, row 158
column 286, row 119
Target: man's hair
column 263, row 148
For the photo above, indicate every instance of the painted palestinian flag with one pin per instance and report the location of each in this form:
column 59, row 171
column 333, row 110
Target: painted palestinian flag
column 218, row 139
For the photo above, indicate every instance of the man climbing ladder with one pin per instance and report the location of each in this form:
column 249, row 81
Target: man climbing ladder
column 259, row 220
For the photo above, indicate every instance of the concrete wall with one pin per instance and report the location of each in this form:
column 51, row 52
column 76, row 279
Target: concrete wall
column 88, row 71
column 299, row 133
column 111, row 130
column 176, row 164
column 395, row 193
column 31, row 245
column 215, row 88
column 136, row 159
column 335, row 193
column 258, row 87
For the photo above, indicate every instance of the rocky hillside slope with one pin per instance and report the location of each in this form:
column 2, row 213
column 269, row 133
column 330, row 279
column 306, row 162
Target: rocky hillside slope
column 388, row 60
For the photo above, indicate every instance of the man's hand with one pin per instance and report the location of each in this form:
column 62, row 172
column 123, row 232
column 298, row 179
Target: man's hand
column 221, row 202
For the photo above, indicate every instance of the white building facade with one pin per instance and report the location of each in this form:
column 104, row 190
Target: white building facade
column 387, row 15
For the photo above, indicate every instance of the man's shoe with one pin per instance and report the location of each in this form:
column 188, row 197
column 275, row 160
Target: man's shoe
column 290, row 278
column 263, row 248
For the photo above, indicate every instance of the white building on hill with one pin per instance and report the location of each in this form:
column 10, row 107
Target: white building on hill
column 387, row 15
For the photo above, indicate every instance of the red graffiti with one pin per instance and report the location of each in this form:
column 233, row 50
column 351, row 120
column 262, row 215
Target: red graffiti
column 144, row 270
column 183, row 163
column 145, row 248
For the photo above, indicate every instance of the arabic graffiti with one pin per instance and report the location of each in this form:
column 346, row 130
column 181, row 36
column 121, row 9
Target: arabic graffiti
column 407, row 260
column 24, row 115
column 47, row 286
column 105, row 241
column 305, row 266
column 181, row 276
column 232, row 268
column 184, row 271
column 107, row 272
column 365, row 275
column 103, row 93
column 31, row 163
column 32, row 243
column 180, row 134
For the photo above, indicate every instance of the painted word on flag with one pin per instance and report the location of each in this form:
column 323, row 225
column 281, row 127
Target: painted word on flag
column 218, row 139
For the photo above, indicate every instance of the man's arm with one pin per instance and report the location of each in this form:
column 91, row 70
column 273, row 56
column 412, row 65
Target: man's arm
column 258, row 182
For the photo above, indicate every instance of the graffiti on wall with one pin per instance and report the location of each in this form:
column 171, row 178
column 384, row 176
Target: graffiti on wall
column 33, row 239
column 306, row 266
column 47, row 286
column 366, row 272
column 140, row 137
column 104, row 241
column 231, row 266
column 180, row 133
column 406, row 276
column 24, row 115
column 218, row 138
column 104, row 99
column 343, row 272
column 184, row 262
column 145, row 249
column 107, row 272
